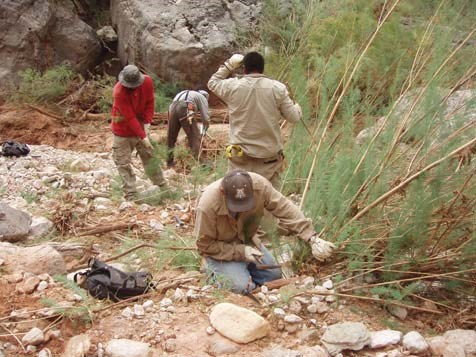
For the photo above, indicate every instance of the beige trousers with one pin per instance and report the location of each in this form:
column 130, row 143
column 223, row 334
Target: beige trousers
column 122, row 149
column 268, row 168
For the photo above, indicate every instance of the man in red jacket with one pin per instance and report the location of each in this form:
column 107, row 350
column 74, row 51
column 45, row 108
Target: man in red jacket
column 132, row 113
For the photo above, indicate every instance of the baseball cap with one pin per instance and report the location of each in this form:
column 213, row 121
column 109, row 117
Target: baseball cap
column 238, row 188
column 131, row 77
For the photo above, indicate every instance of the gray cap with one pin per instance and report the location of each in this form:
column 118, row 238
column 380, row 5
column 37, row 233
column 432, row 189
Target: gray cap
column 131, row 77
column 204, row 93
column 238, row 188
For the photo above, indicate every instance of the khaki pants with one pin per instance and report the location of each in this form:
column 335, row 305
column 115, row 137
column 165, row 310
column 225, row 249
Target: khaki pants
column 122, row 149
column 268, row 168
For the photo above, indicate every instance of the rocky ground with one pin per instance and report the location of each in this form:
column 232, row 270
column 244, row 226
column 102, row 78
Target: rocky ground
column 66, row 206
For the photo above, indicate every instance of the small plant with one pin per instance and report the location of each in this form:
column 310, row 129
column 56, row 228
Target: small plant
column 29, row 196
column 164, row 93
column 47, row 87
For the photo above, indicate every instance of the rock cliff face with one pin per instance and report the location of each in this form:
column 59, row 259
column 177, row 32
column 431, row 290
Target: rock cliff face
column 42, row 33
column 181, row 40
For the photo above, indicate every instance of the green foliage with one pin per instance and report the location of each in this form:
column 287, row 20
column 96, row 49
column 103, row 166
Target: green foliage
column 29, row 196
column 47, row 87
column 164, row 93
column 183, row 259
column 346, row 79
column 105, row 86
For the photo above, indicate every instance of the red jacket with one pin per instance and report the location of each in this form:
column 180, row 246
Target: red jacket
column 132, row 108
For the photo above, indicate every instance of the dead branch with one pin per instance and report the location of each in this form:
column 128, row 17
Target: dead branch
column 276, row 284
column 105, row 229
column 42, row 111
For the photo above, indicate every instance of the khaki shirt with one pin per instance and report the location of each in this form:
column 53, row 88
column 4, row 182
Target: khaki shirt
column 221, row 237
column 256, row 104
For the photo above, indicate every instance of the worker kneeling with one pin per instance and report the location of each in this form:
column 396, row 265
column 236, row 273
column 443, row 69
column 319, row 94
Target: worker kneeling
column 228, row 216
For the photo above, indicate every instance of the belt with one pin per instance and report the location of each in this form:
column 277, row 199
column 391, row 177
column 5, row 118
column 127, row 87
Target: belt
column 236, row 150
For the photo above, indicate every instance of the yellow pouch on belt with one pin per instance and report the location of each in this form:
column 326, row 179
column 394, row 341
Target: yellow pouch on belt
column 233, row 150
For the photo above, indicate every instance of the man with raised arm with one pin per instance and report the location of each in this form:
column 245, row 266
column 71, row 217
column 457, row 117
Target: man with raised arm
column 256, row 104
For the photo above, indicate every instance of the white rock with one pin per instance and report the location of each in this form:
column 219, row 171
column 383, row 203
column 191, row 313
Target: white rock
column 384, row 338
column 345, row 336
column 45, row 352
column 273, row 298
column 464, row 338
column 138, row 311
column 127, row 348
column 127, row 313
column 210, row 330
column 278, row 312
column 102, row 201
column 261, row 296
column 292, row 319
column 156, row 225
column 77, row 346
column 148, row 305
column 80, row 165
column 312, row 308
column 125, row 205
column 322, row 307
column 179, row 295
column 42, row 286
column 34, row 337
column 165, row 302
column 40, row 227
column 318, row 289
column 295, row 306
column 238, row 324
column 317, row 298
column 164, row 214
column 328, row 284
column 77, row 298
column 398, row 311
column 308, row 281
column 264, row 289
column 144, row 207
column 414, row 342
column 331, row 298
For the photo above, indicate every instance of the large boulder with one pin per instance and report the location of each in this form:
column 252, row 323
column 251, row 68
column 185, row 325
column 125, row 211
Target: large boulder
column 449, row 114
column 181, row 41
column 42, row 33
column 36, row 260
column 14, row 224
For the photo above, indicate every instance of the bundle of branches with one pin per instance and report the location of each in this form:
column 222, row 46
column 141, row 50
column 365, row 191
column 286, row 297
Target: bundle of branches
column 68, row 214
column 216, row 116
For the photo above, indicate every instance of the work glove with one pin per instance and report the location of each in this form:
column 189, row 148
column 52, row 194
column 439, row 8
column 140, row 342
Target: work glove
column 299, row 110
column 321, row 249
column 253, row 255
column 147, row 130
column 234, row 62
column 147, row 143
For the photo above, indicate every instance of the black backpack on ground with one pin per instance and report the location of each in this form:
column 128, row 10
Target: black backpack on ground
column 106, row 282
column 14, row 148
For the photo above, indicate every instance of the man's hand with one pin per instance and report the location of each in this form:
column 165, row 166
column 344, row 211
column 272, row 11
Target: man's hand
column 205, row 126
column 253, row 255
column 321, row 249
column 147, row 143
column 234, row 61
column 147, row 130
column 299, row 110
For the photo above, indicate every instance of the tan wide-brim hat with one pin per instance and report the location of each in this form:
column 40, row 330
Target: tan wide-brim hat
column 131, row 77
